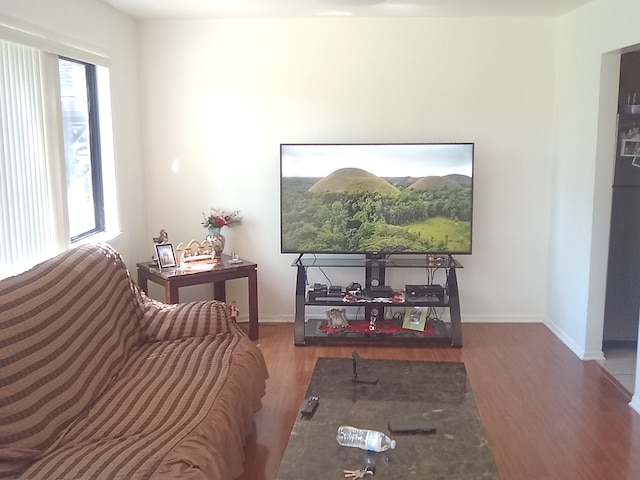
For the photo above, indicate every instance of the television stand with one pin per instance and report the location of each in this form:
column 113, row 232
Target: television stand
column 383, row 319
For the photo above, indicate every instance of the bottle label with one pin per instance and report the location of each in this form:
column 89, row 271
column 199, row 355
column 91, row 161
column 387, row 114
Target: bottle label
column 372, row 441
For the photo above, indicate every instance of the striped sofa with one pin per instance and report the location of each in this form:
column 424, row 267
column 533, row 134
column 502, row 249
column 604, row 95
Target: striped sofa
column 97, row 381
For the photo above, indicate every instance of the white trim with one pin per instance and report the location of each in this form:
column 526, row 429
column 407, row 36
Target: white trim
column 19, row 31
column 283, row 318
column 501, row 318
column 56, row 154
column 635, row 403
column 580, row 352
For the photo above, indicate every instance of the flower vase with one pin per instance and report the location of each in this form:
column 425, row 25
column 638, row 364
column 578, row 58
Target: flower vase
column 217, row 241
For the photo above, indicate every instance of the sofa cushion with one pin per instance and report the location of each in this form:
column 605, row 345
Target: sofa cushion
column 68, row 326
column 161, row 401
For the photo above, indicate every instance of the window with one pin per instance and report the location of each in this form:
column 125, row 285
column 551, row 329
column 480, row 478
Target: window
column 55, row 171
column 83, row 167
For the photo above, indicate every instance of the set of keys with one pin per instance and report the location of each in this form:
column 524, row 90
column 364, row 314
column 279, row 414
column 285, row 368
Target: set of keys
column 358, row 473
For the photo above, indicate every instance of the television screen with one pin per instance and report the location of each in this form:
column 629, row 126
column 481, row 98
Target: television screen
column 376, row 198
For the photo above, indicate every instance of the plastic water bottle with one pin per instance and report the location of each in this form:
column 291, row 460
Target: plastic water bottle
column 364, row 439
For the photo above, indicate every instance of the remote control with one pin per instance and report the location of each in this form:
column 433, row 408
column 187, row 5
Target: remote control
column 309, row 406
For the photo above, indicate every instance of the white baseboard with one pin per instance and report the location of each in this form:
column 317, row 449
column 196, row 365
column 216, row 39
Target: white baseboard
column 502, row 318
column 278, row 318
column 635, row 403
column 580, row 352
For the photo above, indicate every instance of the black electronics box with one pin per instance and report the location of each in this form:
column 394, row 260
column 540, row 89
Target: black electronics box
column 321, row 291
column 319, row 287
column 381, row 291
column 424, row 291
column 318, row 290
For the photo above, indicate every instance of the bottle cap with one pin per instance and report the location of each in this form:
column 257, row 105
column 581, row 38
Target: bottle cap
column 393, row 444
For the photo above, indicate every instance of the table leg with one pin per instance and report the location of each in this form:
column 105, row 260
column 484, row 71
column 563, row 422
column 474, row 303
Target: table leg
column 253, row 305
column 171, row 293
column 220, row 291
column 142, row 281
column 454, row 309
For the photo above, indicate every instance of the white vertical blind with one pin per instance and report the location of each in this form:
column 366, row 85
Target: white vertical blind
column 28, row 181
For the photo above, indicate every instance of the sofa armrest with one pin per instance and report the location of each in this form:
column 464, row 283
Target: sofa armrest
column 162, row 321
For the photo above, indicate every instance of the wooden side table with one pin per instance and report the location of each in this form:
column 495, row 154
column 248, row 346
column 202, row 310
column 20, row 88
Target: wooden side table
column 174, row 278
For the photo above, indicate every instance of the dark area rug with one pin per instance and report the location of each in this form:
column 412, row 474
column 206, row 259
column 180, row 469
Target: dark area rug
column 431, row 394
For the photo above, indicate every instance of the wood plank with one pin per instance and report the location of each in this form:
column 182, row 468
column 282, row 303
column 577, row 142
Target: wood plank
column 548, row 415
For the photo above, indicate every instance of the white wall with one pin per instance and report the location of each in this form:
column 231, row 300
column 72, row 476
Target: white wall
column 589, row 44
column 220, row 96
column 90, row 24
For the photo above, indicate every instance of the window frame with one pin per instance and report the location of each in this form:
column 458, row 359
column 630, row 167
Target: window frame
column 95, row 150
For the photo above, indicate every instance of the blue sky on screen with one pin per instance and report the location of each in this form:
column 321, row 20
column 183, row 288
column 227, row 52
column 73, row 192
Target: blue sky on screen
column 383, row 160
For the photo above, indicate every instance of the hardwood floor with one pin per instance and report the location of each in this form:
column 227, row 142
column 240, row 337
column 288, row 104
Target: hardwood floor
column 548, row 415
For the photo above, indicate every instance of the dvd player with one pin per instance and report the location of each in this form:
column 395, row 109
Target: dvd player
column 422, row 291
column 381, row 291
column 330, row 296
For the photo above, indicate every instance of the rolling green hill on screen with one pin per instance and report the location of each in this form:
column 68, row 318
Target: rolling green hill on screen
column 457, row 235
column 352, row 210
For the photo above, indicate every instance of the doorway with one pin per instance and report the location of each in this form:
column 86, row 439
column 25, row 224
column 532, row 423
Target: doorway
column 622, row 297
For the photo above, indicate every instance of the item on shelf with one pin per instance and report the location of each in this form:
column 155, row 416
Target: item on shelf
column 217, row 241
column 315, row 295
column 214, row 223
column 415, row 318
column 337, row 318
column 193, row 252
column 234, row 313
column 429, row 292
column 162, row 238
column 165, row 255
column 309, row 406
column 357, row 376
column 411, row 426
column 207, row 258
column 382, row 328
column 198, row 262
column 371, row 440
column 381, row 291
column 362, row 298
column 219, row 218
column 398, row 297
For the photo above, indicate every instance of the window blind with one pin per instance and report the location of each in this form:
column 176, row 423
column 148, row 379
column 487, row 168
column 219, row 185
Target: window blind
column 28, row 173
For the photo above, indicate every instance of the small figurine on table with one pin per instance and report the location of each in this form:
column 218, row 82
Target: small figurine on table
column 233, row 311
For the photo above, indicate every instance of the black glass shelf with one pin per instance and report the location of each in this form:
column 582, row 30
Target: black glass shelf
column 397, row 261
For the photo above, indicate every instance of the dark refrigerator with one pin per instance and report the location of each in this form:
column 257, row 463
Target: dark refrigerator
column 622, row 299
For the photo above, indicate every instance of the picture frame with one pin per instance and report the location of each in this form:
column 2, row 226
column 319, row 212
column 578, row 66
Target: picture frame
column 630, row 147
column 166, row 255
column 415, row 318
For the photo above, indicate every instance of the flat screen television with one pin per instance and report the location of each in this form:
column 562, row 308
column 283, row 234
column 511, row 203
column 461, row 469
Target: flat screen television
column 376, row 198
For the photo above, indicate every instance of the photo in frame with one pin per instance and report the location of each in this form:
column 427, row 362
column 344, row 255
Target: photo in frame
column 630, row 148
column 166, row 255
column 415, row 318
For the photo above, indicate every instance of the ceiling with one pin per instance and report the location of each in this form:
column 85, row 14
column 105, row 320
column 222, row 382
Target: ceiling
column 148, row 9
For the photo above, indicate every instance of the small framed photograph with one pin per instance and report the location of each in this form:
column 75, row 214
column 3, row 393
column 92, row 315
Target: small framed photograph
column 415, row 318
column 166, row 255
column 630, row 148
